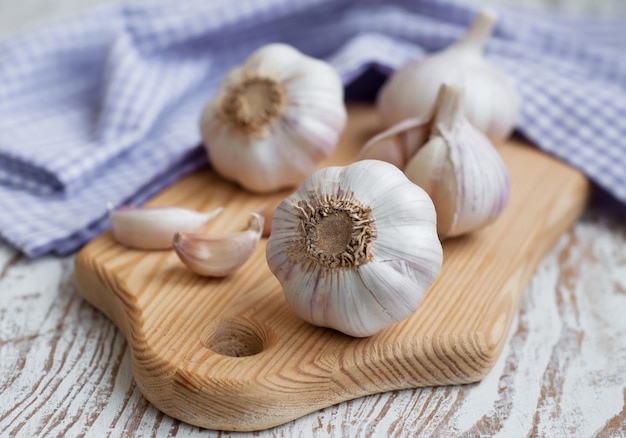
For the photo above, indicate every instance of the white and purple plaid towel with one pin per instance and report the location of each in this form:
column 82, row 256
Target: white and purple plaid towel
column 104, row 107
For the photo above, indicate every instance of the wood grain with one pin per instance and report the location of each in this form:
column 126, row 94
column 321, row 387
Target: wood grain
column 185, row 331
column 51, row 338
column 538, row 387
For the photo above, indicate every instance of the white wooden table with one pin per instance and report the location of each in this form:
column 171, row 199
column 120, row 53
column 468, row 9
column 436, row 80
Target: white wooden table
column 65, row 368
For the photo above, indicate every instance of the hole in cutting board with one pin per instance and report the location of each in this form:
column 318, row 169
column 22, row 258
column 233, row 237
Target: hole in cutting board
column 232, row 338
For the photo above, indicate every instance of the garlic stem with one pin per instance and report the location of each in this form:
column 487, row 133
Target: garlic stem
column 218, row 255
column 460, row 169
column 491, row 100
column 479, row 31
column 448, row 109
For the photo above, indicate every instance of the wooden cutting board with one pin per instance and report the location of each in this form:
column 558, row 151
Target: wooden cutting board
column 230, row 354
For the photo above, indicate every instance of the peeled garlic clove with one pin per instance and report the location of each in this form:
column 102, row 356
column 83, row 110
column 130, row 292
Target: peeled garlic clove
column 154, row 227
column 399, row 143
column 460, row 169
column 355, row 248
column 218, row 255
column 491, row 101
column 274, row 119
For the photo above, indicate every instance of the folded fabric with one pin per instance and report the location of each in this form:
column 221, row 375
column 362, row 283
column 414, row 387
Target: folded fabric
column 103, row 108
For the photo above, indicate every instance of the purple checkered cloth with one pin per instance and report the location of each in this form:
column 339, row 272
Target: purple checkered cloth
column 103, row 107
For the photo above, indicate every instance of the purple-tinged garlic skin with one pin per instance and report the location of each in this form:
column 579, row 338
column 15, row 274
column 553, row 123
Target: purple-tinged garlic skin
column 218, row 255
column 399, row 143
column 460, row 169
column 355, row 248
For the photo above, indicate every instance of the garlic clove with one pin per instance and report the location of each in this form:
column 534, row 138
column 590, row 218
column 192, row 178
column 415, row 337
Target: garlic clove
column 399, row 143
column 492, row 102
column 351, row 240
column 460, row 169
column 153, row 227
column 218, row 255
column 274, row 119
column 431, row 169
column 338, row 310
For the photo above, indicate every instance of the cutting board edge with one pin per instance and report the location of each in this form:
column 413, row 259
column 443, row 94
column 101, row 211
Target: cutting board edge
column 92, row 286
column 478, row 344
column 162, row 390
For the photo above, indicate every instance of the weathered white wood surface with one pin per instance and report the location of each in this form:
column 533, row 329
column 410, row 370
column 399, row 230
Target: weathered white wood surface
column 65, row 368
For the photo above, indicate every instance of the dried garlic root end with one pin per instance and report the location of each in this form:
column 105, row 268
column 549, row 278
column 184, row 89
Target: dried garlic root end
column 254, row 104
column 279, row 103
column 355, row 247
column 335, row 233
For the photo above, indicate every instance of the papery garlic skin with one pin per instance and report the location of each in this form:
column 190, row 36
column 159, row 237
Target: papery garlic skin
column 399, row 143
column 355, row 248
column 153, row 227
column 218, row 255
column 460, row 169
column 274, row 119
column 491, row 103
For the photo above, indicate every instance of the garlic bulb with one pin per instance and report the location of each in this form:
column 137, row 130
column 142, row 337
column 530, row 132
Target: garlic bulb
column 273, row 119
column 218, row 255
column 491, row 101
column 355, row 248
column 154, row 227
column 460, row 169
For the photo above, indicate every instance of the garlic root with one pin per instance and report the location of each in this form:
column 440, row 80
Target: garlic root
column 355, row 247
column 274, row 119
